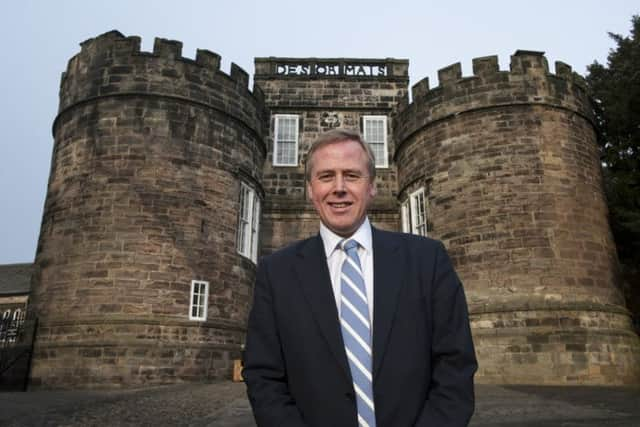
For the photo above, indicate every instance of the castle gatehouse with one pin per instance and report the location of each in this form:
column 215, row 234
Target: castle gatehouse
column 169, row 178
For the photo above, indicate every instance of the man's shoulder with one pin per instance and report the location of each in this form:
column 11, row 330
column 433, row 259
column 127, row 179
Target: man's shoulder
column 292, row 250
column 406, row 239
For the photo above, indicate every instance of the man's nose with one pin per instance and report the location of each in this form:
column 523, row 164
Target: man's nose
column 339, row 184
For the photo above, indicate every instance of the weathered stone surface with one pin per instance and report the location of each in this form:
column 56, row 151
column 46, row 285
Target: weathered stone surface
column 150, row 150
column 324, row 102
column 143, row 198
column 515, row 192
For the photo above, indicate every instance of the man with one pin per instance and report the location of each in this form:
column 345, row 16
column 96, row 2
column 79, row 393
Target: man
column 357, row 326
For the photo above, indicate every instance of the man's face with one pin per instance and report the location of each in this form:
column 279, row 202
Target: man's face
column 340, row 186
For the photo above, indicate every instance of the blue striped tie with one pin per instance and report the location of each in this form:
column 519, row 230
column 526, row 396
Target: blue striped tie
column 356, row 332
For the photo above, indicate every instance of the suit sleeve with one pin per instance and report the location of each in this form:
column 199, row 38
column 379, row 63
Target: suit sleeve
column 450, row 399
column 264, row 368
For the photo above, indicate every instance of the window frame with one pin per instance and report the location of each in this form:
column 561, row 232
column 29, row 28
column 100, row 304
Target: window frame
column 384, row 163
column 276, row 141
column 255, row 227
column 411, row 220
column 415, row 220
column 249, row 224
column 405, row 215
column 204, row 306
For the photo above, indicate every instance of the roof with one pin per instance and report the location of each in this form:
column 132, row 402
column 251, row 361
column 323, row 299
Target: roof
column 15, row 278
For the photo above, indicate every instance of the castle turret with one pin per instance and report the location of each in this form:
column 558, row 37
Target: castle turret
column 162, row 166
column 142, row 273
column 508, row 167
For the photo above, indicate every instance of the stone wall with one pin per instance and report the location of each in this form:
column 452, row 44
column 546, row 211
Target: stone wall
column 322, row 100
column 150, row 150
column 512, row 172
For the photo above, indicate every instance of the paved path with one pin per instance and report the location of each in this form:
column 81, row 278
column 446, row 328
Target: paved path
column 225, row 405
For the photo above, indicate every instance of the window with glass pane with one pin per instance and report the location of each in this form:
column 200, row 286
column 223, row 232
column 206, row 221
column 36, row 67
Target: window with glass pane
column 405, row 213
column 248, row 222
column 199, row 300
column 285, row 140
column 418, row 213
column 254, row 228
column 243, row 218
column 375, row 133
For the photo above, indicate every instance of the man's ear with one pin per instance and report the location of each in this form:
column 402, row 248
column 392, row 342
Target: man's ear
column 373, row 190
column 309, row 193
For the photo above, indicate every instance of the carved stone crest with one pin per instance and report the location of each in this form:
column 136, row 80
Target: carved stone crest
column 330, row 120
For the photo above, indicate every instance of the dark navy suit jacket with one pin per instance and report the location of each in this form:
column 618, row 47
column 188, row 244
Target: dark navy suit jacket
column 295, row 365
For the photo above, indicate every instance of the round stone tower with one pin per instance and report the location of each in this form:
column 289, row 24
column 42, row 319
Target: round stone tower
column 510, row 169
column 151, row 153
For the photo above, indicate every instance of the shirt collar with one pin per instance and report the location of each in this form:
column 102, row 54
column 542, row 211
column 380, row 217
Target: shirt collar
column 331, row 239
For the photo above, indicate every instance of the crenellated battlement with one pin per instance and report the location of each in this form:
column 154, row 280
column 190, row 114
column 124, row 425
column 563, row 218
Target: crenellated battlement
column 528, row 81
column 509, row 168
column 116, row 44
column 164, row 168
column 112, row 64
column 486, row 70
column 151, row 150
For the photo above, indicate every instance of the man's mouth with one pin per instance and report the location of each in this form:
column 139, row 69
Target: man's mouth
column 340, row 205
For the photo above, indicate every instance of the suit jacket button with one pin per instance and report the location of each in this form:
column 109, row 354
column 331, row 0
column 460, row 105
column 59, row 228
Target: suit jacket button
column 349, row 395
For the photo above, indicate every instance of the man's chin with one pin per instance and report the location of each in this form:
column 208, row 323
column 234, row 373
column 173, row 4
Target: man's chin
column 344, row 229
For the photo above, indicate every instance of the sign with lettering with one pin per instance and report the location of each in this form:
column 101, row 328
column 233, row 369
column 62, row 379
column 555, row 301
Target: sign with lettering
column 331, row 69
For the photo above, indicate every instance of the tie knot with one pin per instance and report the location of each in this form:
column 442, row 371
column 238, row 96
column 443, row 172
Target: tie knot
column 350, row 245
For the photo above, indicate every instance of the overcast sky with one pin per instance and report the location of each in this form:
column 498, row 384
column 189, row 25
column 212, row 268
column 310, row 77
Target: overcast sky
column 40, row 37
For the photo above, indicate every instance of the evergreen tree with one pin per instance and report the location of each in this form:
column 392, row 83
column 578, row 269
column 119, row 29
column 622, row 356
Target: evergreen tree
column 616, row 91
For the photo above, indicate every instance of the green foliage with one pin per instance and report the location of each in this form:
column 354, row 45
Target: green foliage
column 616, row 91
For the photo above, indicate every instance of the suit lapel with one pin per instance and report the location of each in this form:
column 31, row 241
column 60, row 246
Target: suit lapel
column 388, row 276
column 313, row 276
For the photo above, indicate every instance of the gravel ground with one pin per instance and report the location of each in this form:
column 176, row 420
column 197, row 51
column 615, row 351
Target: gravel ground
column 224, row 404
column 220, row 404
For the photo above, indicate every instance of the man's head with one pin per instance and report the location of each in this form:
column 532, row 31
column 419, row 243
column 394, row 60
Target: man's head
column 340, row 172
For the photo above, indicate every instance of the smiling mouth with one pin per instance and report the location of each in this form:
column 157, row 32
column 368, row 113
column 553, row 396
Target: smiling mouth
column 340, row 205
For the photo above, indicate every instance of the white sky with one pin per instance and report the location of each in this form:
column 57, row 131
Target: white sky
column 40, row 37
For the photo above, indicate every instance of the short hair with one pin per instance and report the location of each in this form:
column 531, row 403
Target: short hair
column 338, row 135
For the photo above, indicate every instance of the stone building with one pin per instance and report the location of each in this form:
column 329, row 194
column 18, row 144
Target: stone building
column 138, row 279
column 169, row 177
column 15, row 284
column 307, row 96
column 15, row 333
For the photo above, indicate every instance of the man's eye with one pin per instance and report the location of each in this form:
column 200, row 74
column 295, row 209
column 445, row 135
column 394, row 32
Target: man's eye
column 352, row 177
column 325, row 177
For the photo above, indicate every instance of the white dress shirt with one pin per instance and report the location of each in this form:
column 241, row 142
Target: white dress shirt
column 336, row 256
